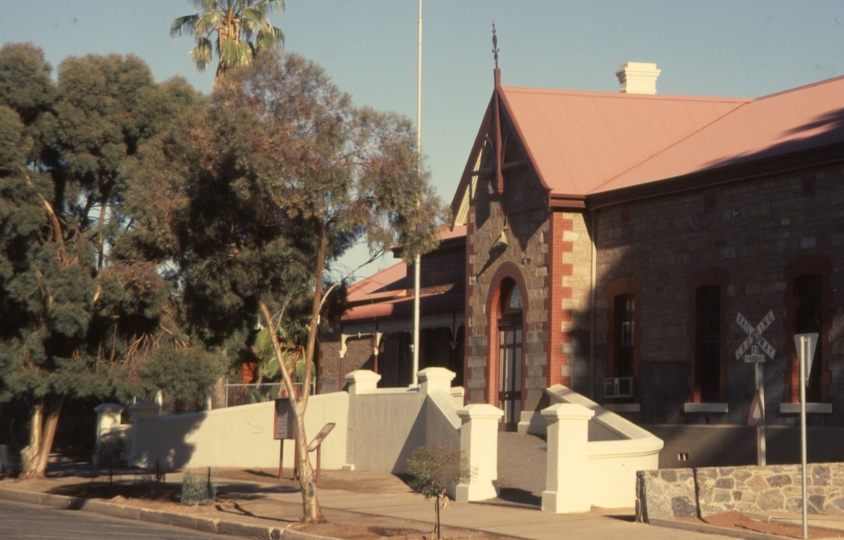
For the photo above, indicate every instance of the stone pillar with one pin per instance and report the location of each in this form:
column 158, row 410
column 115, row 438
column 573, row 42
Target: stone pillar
column 567, row 479
column 141, row 412
column 479, row 446
column 435, row 378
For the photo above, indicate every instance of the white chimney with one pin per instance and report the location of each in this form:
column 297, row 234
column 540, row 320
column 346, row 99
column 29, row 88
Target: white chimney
column 637, row 78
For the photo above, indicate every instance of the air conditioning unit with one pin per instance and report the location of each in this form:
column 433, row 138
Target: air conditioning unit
column 618, row 387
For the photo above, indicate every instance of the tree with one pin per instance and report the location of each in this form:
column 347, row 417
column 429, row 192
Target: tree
column 270, row 186
column 433, row 470
column 81, row 312
column 242, row 29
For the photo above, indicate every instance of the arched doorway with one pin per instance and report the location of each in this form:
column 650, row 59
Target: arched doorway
column 510, row 346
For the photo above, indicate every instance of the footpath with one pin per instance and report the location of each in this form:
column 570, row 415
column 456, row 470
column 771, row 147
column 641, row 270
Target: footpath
column 253, row 503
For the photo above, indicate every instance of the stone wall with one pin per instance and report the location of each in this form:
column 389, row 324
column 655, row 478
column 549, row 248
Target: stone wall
column 521, row 207
column 756, row 231
column 670, row 493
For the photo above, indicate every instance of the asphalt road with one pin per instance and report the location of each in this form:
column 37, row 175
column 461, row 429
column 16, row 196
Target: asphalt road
column 21, row 520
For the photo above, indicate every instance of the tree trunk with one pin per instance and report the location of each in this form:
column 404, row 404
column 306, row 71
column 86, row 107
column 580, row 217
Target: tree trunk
column 30, row 453
column 310, row 503
column 42, row 431
column 437, row 506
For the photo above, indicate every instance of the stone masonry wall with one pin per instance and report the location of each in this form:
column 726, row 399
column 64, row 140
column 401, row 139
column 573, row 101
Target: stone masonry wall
column 751, row 229
column 523, row 203
column 670, row 493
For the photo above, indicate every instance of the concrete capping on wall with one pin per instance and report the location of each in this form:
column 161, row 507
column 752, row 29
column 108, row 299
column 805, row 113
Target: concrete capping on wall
column 811, row 408
column 672, row 493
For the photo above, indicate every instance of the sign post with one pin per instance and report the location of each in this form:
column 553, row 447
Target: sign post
column 805, row 345
column 755, row 342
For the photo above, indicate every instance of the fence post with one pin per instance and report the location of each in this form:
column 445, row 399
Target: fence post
column 567, row 481
column 479, row 447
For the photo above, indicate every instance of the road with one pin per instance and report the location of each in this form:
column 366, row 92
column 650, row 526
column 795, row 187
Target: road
column 21, row 520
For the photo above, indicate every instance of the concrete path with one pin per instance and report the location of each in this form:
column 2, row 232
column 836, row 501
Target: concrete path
column 517, row 522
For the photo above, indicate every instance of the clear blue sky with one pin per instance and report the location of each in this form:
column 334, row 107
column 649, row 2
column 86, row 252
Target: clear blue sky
column 703, row 47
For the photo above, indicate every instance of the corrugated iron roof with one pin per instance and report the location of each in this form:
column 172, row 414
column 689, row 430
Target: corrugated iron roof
column 580, row 140
column 777, row 125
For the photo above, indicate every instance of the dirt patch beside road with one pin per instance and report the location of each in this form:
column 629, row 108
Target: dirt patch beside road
column 737, row 520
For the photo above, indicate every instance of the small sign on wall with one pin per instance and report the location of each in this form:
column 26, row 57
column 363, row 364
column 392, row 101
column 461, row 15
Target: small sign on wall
column 283, row 423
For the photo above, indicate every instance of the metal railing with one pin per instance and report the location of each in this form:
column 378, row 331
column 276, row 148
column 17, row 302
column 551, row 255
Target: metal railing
column 245, row 394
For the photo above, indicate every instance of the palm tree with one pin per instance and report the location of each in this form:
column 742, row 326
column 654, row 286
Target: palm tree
column 242, row 26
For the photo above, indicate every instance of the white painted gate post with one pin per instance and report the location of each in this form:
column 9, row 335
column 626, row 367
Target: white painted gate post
column 479, row 446
column 566, row 481
column 141, row 412
column 108, row 418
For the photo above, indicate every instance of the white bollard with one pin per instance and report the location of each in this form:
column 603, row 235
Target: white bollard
column 479, row 446
column 566, row 480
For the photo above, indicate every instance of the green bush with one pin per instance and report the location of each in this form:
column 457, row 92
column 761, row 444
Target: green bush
column 197, row 490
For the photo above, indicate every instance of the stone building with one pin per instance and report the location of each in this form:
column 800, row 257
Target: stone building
column 609, row 241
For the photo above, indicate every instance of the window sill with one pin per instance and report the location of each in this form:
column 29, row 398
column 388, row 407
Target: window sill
column 812, row 408
column 710, row 408
column 623, row 407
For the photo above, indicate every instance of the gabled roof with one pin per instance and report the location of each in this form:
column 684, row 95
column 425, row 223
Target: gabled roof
column 584, row 145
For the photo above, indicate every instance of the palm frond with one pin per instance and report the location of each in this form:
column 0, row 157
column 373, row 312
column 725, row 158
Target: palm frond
column 234, row 54
column 208, row 22
column 201, row 54
column 269, row 39
column 270, row 6
column 183, row 25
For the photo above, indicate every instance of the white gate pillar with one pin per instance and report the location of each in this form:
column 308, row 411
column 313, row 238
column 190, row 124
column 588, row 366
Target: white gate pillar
column 141, row 412
column 479, row 447
column 566, row 480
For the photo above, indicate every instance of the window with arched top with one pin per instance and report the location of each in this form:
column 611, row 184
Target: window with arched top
column 511, row 298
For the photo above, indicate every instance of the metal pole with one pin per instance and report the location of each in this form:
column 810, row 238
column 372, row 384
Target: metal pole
column 804, row 353
column 417, row 260
column 761, row 450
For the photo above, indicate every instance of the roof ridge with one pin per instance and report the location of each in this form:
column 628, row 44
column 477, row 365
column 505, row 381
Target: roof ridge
column 804, row 87
column 672, row 145
column 622, row 95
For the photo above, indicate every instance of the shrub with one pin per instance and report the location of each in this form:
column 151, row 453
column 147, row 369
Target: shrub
column 433, row 470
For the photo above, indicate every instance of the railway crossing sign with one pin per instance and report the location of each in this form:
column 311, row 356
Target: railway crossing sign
column 754, row 340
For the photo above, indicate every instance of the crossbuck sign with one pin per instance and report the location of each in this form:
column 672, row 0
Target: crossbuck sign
column 755, row 339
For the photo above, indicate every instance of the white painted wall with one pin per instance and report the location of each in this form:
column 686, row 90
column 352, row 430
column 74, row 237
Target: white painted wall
column 617, row 448
column 386, row 425
column 238, row 436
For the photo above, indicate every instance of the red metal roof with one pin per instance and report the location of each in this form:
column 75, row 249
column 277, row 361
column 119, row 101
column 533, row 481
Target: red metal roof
column 392, row 282
column 580, row 140
column 777, row 125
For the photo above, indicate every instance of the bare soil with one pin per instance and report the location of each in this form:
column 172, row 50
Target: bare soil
column 248, row 503
column 737, row 520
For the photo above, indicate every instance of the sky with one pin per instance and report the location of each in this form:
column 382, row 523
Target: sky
column 731, row 48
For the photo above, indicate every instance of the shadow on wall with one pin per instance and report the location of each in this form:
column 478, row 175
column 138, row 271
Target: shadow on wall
column 165, row 439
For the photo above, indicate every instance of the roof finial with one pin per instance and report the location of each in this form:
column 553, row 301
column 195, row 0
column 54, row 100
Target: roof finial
column 494, row 45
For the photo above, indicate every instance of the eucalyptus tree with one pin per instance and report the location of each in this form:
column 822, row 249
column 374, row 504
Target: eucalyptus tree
column 81, row 313
column 233, row 29
column 269, row 187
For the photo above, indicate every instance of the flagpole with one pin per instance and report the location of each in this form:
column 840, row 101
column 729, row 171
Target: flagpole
column 417, row 260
